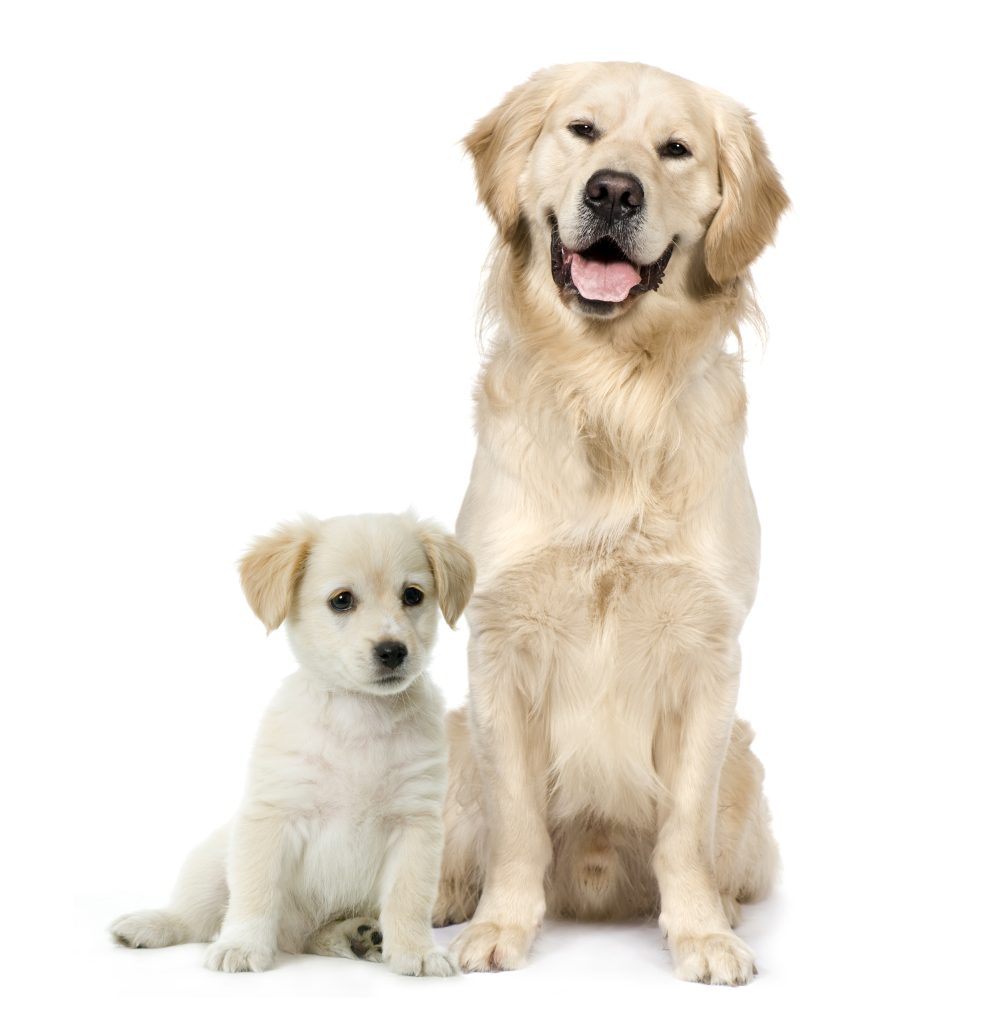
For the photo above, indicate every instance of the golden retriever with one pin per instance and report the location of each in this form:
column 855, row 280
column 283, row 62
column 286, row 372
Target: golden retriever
column 342, row 811
column 599, row 770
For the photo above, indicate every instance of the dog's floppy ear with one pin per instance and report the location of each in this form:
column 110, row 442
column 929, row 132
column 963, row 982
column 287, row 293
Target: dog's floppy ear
column 501, row 141
column 272, row 567
column 753, row 197
column 453, row 569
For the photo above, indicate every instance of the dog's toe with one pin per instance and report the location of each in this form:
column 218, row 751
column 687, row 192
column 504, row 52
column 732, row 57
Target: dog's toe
column 492, row 947
column 718, row 959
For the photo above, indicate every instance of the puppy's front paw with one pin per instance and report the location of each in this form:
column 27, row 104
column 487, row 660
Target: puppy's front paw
column 718, row 959
column 427, row 963
column 492, row 947
column 233, row 957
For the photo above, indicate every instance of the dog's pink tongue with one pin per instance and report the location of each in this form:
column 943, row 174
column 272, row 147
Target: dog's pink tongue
column 604, row 282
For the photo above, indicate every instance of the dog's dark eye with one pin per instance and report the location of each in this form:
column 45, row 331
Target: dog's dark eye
column 412, row 595
column 584, row 129
column 673, row 149
column 342, row 601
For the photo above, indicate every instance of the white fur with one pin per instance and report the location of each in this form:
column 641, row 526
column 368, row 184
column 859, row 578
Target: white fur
column 340, row 822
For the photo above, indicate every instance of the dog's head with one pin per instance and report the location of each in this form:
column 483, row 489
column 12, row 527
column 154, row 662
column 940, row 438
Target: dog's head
column 360, row 595
column 624, row 177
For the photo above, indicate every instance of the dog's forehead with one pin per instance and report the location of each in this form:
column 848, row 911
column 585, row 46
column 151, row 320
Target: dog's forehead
column 639, row 97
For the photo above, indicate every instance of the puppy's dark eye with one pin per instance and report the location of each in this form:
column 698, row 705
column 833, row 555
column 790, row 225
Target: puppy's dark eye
column 584, row 129
column 673, row 149
column 342, row 601
column 412, row 595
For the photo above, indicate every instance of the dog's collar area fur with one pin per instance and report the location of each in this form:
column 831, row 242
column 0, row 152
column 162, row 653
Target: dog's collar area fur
column 604, row 250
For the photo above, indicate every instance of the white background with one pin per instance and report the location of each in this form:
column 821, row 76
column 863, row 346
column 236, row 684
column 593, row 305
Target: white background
column 240, row 263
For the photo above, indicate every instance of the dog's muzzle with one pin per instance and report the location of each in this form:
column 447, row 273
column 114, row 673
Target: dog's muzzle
column 602, row 272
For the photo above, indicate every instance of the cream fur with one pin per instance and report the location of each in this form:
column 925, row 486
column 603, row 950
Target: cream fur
column 340, row 822
column 599, row 770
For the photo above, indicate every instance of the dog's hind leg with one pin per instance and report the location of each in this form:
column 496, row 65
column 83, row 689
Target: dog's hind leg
column 196, row 908
column 746, row 857
column 461, row 869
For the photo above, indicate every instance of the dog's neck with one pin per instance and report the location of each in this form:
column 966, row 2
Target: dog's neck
column 630, row 388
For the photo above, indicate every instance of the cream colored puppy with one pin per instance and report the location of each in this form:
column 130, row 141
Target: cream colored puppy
column 341, row 819
column 600, row 770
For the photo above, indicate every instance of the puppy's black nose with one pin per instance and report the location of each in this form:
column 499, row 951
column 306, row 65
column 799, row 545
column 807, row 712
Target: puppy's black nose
column 614, row 195
column 390, row 653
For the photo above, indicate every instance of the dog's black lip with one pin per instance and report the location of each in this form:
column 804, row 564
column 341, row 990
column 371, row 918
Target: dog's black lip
column 651, row 274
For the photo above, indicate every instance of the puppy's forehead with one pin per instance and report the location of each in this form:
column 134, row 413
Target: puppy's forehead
column 382, row 550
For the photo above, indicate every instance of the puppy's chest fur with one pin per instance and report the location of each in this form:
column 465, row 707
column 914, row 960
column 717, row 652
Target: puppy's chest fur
column 344, row 774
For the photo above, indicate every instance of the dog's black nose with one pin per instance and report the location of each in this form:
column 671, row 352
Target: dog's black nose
column 614, row 195
column 390, row 653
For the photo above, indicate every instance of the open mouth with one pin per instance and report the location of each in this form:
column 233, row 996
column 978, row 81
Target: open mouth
column 602, row 272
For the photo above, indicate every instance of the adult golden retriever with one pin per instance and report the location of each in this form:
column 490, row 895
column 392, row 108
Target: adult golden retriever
column 600, row 770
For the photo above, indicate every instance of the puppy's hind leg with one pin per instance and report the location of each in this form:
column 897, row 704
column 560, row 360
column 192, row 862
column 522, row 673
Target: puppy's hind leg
column 358, row 938
column 196, row 908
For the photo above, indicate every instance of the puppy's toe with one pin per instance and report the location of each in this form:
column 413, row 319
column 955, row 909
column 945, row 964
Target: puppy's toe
column 235, row 957
column 428, row 963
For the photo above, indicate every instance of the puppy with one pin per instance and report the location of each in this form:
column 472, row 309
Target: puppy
column 600, row 770
column 341, row 819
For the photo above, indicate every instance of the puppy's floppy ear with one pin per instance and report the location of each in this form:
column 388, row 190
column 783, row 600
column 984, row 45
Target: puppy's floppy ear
column 753, row 197
column 453, row 569
column 272, row 567
column 501, row 141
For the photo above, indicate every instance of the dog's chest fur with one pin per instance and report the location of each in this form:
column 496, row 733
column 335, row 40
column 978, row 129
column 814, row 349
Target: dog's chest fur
column 612, row 521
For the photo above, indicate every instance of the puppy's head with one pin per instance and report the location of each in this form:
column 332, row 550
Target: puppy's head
column 360, row 595
column 623, row 181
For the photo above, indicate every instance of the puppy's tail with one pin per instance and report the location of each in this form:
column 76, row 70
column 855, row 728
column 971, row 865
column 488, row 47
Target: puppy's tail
column 196, row 909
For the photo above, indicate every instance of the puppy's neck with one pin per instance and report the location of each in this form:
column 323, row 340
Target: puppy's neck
column 334, row 706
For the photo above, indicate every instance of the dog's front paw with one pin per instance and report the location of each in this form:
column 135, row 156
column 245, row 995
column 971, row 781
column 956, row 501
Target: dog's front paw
column 492, row 947
column 427, row 963
column 718, row 959
column 233, row 957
